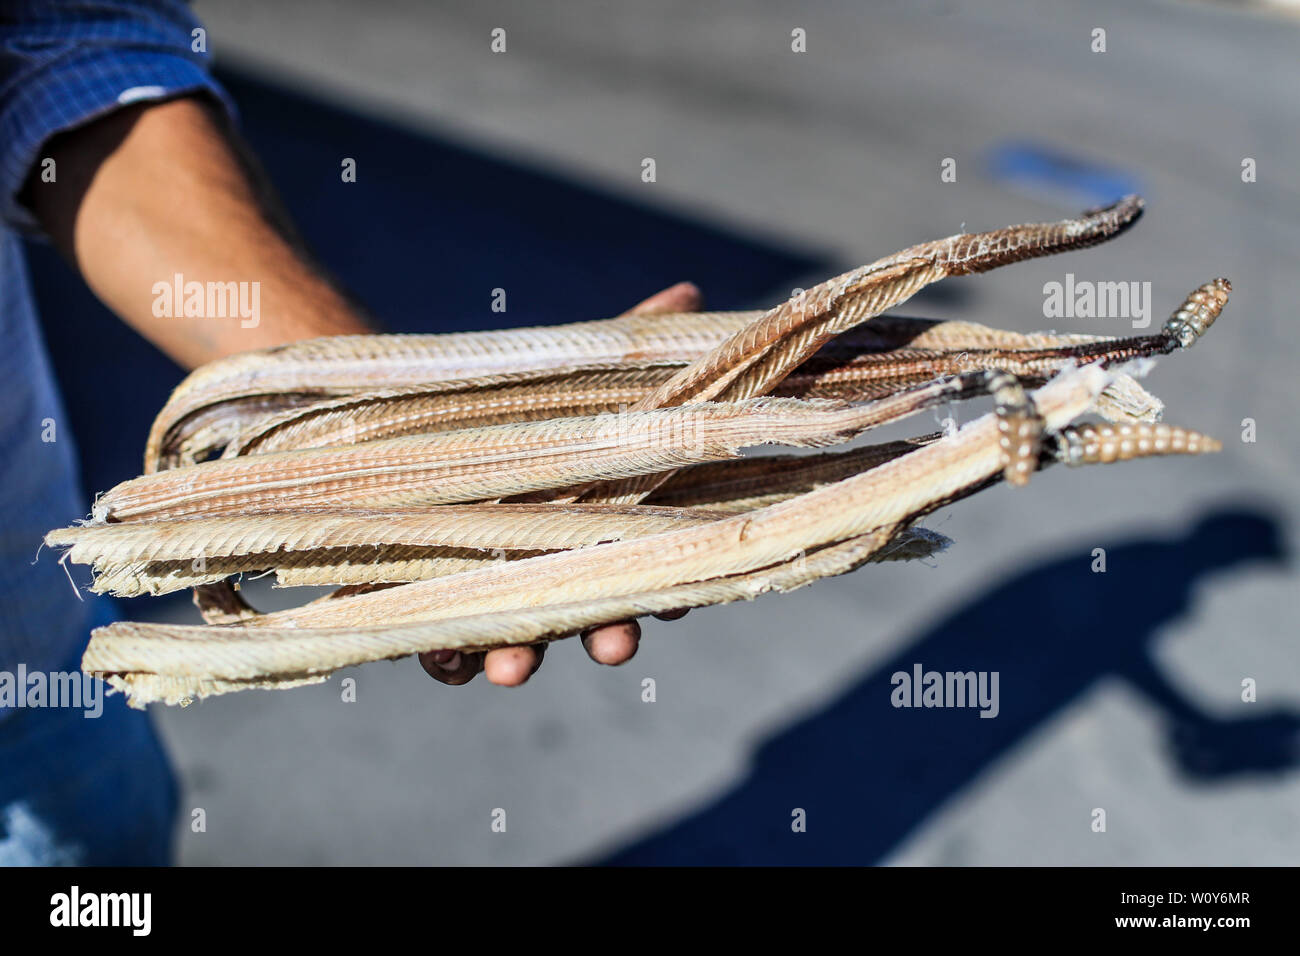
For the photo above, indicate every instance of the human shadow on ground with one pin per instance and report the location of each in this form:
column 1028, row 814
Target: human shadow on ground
column 868, row 774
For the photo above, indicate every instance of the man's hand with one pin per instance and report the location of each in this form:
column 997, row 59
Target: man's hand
column 607, row 644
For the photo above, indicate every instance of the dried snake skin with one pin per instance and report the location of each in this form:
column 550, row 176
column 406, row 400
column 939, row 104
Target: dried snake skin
column 345, row 364
column 210, row 411
column 571, row 392
column 538, row 598
column 484, row 463
column 764, row 352
column 393, row 466
column 760, row 349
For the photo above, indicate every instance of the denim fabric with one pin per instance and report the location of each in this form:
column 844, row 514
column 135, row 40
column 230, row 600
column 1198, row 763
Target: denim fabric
column 73, row 789
column 79, row 790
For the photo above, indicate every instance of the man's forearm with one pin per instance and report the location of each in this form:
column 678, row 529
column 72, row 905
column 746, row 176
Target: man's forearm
column 153, row 192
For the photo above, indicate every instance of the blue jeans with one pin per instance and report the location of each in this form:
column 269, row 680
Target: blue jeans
column 72, row 789
column 88, row 791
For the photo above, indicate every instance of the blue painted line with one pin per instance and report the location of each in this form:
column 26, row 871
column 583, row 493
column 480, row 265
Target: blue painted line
column 1045, row 172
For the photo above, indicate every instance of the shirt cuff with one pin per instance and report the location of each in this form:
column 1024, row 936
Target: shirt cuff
column 78, row 90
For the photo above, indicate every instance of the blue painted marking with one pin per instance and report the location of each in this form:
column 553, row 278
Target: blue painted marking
column 1044, row 172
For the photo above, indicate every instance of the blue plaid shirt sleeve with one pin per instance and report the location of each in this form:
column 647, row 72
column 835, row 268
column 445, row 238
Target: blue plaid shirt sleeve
column 66, row 62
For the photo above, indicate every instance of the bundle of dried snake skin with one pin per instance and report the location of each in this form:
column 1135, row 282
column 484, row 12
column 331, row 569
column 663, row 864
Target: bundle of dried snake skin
column 477, row 490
